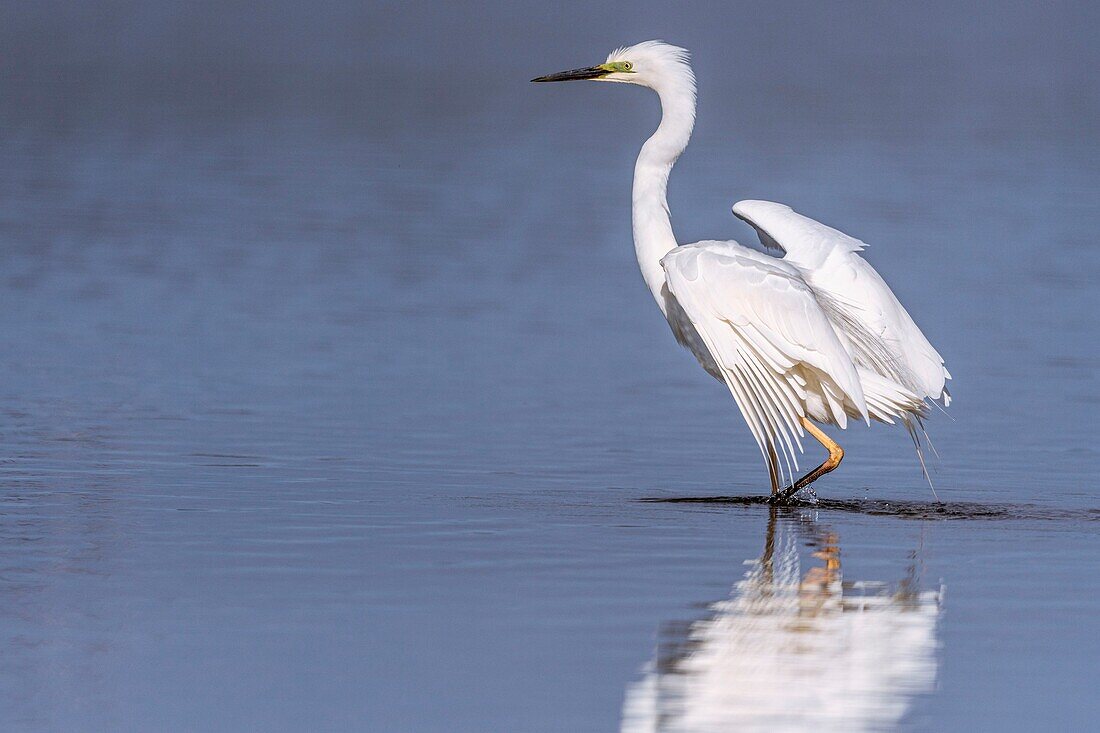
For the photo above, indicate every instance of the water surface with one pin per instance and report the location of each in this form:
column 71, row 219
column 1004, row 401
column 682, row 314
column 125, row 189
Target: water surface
column 347, row 415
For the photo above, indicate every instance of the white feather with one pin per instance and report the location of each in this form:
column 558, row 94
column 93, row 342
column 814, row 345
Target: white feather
column 763, row 328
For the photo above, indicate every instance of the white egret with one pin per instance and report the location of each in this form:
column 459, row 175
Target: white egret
column 816, row 336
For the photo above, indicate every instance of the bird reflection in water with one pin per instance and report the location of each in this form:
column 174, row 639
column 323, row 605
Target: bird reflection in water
column 792, row 651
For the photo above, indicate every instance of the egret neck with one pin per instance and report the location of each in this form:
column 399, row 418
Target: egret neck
column 653, row 237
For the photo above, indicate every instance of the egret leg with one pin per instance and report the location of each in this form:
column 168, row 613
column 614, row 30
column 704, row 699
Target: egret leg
column 773, row 470
column 836, row 454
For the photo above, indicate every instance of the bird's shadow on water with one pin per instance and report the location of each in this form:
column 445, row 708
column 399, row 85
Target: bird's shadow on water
column 898, row 509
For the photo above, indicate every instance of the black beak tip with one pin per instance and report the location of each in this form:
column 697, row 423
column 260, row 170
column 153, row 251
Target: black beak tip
column 592, row 72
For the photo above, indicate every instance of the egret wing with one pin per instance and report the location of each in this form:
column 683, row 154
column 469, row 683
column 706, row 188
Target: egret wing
column 768, row 336
column 883, row 336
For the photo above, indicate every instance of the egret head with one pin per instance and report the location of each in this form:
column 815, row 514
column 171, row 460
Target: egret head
column 654, row 64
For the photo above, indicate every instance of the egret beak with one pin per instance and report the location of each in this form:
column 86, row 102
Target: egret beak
column 592, row 72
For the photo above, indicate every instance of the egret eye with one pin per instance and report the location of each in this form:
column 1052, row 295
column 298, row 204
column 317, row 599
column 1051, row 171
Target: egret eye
column 627, row 66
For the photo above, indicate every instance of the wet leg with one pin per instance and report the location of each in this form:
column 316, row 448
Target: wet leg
column 836, row 454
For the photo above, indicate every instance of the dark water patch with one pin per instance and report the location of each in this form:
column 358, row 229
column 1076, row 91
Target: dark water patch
column 221, row 455
column 900, row 509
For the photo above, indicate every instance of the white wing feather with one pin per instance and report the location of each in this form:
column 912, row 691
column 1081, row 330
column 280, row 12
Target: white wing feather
column 768, row 337
column 883, row 336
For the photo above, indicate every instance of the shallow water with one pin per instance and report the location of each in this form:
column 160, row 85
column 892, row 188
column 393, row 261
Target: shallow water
column 319, row 425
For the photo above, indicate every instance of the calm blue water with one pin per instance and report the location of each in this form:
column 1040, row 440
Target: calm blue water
column 329, row 401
